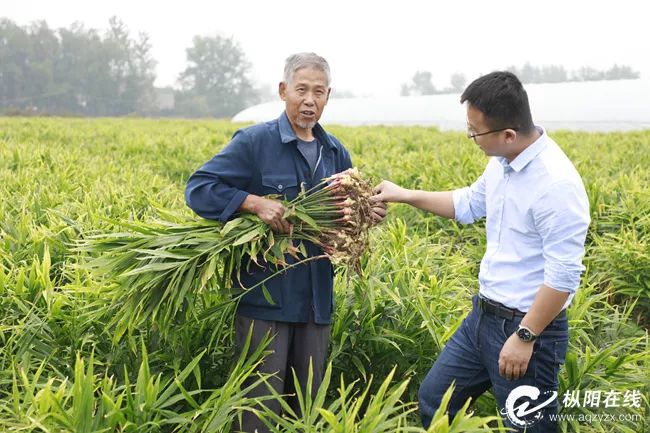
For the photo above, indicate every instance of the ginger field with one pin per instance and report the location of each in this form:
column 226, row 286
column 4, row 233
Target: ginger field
column 65, row 367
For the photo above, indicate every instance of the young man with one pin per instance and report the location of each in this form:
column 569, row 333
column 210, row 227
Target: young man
column 277, row 157
column 537, row 215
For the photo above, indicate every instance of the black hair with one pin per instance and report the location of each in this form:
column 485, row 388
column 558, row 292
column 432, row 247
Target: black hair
column 501, row 97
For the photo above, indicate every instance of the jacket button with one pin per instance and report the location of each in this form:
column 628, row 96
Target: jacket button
column 280, row 186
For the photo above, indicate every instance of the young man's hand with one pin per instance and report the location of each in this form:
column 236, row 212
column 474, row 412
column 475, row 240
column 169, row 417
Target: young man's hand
column 514, row 357
column 388, row 192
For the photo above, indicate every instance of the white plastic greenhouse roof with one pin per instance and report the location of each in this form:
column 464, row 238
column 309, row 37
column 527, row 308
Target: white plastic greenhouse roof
column 592, row 106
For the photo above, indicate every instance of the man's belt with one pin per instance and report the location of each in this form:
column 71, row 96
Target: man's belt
column 500, row 310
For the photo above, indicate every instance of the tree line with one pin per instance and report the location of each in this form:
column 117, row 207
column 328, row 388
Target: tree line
column 422, row 84
column 82, row 71
column 87, row 72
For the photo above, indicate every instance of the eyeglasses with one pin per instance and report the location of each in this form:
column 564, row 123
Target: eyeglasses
column 473, row 136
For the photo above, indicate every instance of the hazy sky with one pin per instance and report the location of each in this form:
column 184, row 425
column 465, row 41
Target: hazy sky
column 374, row 46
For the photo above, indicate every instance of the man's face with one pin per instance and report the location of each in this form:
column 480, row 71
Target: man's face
column 497, row 143
column 305, row 96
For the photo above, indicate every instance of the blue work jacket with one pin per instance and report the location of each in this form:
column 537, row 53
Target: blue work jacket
column 264, row 159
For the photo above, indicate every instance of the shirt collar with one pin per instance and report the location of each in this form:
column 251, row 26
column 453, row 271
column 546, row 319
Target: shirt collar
column 287, row 135
column 528, row 154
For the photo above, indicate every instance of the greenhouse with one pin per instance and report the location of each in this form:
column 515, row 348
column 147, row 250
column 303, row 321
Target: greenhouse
column 591, row 106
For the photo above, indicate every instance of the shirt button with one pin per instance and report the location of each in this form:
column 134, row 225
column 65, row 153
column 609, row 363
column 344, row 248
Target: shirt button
column 280, row 186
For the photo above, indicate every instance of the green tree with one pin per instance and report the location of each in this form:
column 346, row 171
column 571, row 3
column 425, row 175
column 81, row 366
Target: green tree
column 217, row 78
column 558, row 74
column 420, row 84
column 458, row 82
column 15, row 50
column 82, row 71
column 131, row 69
column 623, row 72
column 74, row 70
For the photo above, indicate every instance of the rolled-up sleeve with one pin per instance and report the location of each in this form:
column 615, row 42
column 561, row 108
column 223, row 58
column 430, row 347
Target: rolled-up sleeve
column 469, row 202
column 217, row 189
column 562, row 219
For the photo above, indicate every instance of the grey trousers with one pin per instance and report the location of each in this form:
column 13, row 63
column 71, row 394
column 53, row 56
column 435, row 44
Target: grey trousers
column 293, row 345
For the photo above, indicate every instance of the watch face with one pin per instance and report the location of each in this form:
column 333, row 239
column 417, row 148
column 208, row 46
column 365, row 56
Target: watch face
column 525, row 334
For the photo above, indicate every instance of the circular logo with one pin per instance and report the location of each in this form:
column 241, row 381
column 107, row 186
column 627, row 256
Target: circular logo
column 518, row 405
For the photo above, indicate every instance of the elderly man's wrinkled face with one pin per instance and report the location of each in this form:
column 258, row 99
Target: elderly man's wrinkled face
column 305, row 96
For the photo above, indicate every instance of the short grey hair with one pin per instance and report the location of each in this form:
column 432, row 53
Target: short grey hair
column 299, row 61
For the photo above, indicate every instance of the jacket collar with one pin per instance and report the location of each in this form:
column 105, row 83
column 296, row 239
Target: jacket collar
column 287, row 135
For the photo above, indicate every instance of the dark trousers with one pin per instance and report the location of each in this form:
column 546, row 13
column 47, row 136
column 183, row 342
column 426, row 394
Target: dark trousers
column 293, row 346
column 471, row 356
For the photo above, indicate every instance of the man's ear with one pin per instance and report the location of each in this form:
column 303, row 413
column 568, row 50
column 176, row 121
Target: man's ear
column 511, row 136
column 282, row 90
column 329, row 91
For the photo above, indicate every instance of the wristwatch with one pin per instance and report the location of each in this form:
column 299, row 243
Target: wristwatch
column 525, row 334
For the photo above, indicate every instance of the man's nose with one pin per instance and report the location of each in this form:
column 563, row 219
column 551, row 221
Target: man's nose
column 309, row 99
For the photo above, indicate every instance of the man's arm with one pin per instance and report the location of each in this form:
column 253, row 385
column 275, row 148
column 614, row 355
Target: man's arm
column 218, row 189
column 466, row 205
column 547, row 305
column 440, row 203
column 515, row 354
column 562, row 219
column 269, row 211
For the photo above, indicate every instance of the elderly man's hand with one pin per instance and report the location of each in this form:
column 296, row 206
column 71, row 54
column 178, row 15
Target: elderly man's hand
column 269, row 211
column 379, row 211
column 272, row 213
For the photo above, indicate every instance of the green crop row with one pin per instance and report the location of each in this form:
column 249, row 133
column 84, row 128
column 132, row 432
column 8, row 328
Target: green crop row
column 63, row 370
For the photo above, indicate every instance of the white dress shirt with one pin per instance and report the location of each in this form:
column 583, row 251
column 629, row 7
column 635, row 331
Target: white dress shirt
column 537, row 218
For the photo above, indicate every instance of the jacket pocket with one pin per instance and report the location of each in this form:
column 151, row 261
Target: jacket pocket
column 285, row 184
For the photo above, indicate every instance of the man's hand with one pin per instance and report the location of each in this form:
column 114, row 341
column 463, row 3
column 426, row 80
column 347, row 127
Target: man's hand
column 438, row 202
column 269, row 211
column 379, row 211
column 514, row 357
column 387, row 192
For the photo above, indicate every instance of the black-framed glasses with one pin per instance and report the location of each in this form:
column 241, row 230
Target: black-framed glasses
column 473, row 136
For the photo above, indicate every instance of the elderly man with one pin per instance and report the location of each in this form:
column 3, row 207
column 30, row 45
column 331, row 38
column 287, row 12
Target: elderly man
column 278, row 157
column 537, row 215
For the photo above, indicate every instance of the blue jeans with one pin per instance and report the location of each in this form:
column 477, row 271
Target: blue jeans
column 470, row 360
